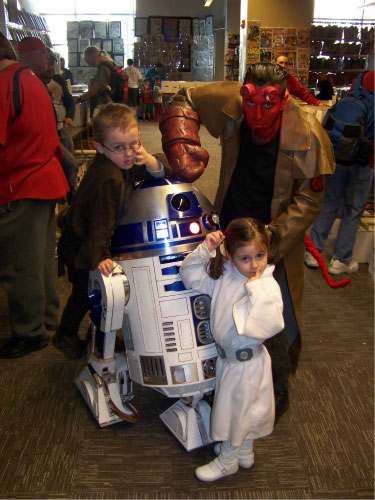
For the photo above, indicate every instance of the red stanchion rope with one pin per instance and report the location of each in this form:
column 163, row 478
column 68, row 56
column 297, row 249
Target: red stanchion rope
column 310, row 247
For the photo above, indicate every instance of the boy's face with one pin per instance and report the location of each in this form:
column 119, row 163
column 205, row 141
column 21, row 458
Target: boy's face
column 119, row 146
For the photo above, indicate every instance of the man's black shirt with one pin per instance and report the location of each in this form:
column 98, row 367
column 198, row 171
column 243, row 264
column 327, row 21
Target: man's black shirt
column 251, row 188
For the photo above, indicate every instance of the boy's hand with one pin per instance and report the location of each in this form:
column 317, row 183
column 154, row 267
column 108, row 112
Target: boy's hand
column 106, row 266
column 141, row 157
column 214, row 239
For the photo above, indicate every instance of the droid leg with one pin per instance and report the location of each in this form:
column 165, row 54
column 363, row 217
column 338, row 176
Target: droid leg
column 105, row 383
column 189, row 421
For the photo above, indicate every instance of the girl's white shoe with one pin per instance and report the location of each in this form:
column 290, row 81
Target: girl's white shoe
column 215, row 470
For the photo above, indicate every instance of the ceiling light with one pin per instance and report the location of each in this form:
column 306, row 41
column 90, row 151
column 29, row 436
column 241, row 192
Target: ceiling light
column 207, row 3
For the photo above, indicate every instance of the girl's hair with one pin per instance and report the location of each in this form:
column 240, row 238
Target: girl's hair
column 240, row 232
column 112, row 115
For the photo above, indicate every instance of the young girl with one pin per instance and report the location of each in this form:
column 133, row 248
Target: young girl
column 146, row 100
column 246, row 309
column 95, row 210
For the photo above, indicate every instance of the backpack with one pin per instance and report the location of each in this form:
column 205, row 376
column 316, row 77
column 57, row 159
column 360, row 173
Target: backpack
column 350, row 123
column 117, row 82
column 16, row 91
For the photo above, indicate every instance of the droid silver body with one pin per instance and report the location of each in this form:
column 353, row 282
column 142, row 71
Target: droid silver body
column 166, row 328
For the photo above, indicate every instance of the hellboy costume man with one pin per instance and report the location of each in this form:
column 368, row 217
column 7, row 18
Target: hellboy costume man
column 274, row 159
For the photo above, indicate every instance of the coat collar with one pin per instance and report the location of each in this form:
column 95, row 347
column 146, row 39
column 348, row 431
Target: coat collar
column 295, row 131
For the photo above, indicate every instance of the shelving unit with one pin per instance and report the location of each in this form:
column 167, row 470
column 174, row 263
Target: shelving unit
column 231, row 58
column 340, row 48
column 20, row 24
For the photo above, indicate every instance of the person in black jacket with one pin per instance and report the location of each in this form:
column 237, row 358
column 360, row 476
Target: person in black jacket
column 64, row 107
column 65, row 72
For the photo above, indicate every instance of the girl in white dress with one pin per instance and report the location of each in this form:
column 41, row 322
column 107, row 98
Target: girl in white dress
column 246, row 309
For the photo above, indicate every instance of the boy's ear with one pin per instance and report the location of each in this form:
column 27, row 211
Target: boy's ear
column 99, row 147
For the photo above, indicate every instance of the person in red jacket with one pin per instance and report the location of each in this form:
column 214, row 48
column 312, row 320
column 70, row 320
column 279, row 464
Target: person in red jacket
column 293, row 85
column 31, row 180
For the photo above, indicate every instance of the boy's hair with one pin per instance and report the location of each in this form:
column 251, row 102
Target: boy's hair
column 130, row 62
column 112, row 115
column 240, row 232
column 262, row 74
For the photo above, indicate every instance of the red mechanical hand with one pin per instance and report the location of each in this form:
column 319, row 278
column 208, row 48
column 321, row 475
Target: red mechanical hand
column 181, row 143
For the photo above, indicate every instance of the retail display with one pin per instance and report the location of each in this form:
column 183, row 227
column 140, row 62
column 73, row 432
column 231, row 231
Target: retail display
column 231, row 58
column 24, row 24
column 267, row 44
column 340, row 50
column 184, row 46
column 103, row 35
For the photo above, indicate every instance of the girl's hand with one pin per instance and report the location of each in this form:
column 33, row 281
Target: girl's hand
column 214, row 240
column 253, row 278
column 106, row 267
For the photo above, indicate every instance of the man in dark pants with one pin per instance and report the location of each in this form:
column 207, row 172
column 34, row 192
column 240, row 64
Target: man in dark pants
column 31, row 179
column 274, row 158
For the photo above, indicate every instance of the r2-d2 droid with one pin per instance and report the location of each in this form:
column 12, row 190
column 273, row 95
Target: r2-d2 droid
column 166, row 329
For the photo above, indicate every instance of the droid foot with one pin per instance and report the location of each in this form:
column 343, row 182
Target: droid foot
column 72, row 347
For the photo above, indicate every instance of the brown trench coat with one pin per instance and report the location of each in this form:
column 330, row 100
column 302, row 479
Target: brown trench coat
column 305, row 152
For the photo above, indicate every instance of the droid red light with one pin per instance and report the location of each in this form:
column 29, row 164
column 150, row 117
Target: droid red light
column 194, row 228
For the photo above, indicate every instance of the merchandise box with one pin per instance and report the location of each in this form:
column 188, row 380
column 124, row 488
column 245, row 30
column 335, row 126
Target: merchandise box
column 72, row 44
column 86, row 29
column 107, row 45
column 72, row 29
column 100, row 29
column 185, row 84
column 170, row 87
column 83, row 44
column 118, row 46
column 114, row 29
column 96, row 42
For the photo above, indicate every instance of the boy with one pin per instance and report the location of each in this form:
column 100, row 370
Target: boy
column 95, row 210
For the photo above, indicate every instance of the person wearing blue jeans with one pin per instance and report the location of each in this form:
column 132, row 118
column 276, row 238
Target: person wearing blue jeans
column 349, row 189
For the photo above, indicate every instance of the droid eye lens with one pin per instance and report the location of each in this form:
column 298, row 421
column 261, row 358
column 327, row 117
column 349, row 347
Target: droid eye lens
column 181, row 202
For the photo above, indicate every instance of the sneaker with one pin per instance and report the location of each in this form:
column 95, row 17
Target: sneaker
column 72, row 347
column 338, row 267
column 310, row 261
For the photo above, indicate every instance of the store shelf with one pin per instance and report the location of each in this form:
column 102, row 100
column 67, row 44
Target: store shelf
column 347, row 44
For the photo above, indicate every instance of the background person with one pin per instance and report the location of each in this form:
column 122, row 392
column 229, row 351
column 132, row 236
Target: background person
column 65, row 72
column 326, row 90
column 348, row 189
column 31, row 179
column 135, row 78
column 146, row 93
column 157, row 99
column 293, row 85
column 62, row 99
column 157, row 70
column 37, row 60
column 99, row 92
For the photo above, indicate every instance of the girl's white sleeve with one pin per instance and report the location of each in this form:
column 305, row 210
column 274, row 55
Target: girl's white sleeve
column 193, row 270
column 260, row 313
